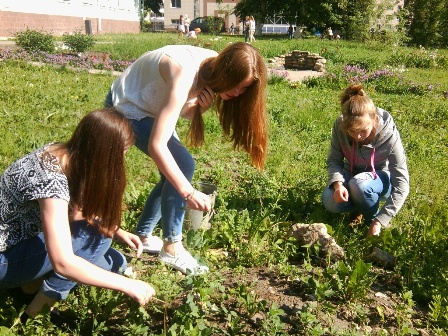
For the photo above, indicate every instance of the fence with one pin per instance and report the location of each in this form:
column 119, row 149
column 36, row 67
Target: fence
column 276, row 28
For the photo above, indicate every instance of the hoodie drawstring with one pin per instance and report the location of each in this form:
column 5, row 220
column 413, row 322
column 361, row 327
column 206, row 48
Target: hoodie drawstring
column 353, row 163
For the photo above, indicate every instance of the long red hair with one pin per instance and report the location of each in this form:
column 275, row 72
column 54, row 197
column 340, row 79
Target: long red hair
column 243, row 118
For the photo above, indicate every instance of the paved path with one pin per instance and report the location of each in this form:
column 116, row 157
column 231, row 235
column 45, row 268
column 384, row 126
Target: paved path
column 299, row 75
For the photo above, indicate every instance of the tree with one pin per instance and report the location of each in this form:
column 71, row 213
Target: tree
column 358, row 17
column 154, row 5
column 310, row 13
column 428, row 22
column 353, row 18
column 259, row 9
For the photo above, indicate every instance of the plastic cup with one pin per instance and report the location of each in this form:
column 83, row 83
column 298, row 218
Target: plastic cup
column 199, row 219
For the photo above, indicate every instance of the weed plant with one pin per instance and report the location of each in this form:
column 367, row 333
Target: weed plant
column 254, row 210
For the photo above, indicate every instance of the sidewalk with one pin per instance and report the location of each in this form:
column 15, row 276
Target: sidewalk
column 300, row 75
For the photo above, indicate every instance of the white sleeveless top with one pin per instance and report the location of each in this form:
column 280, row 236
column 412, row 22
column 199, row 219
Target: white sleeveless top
column 139, row 90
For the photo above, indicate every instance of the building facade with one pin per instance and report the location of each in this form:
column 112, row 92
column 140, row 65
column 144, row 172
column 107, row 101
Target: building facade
column 65, row 16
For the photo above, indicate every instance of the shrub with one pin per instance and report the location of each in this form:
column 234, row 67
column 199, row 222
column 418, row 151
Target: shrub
column 384, row 80
column 146, row 26
column 78, row 42
column 277, row 76
column 215, row 24
column 422, row 58
column 33, row 40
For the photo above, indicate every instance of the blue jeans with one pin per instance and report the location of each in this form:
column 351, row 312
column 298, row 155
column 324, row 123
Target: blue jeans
column 29, row 260
column 365, row 193
column 164, row 202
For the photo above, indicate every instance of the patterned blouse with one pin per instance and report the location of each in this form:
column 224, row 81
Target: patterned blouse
column 36, row 175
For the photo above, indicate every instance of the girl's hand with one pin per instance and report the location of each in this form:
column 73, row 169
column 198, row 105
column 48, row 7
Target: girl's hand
column 140, row 291
column 374, row 229
column 199, row 201
column 340, row 194
column 205, row 98
column 132, row 240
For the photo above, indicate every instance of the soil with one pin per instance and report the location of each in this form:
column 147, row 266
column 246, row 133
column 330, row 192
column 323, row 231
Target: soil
column 289, row 296
column 374, row 314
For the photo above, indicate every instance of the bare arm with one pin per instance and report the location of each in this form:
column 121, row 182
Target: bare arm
column 54, row 216
column 178, row 84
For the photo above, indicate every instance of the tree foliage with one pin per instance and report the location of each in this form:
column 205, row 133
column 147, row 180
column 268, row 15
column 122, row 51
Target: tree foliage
column 429, row 22
column 154, row 5
column 422, row 22
column 349, row 16
column 259, row 9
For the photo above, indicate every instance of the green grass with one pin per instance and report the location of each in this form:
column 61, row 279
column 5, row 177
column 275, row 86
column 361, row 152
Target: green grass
column 254, row 209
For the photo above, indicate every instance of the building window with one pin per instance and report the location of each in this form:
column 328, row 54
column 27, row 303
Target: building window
column 176, row 4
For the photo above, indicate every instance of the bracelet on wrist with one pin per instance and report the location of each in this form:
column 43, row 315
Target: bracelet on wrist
column 187, row 198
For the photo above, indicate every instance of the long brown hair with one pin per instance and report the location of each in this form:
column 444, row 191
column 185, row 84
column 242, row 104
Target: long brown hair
column 96, row 169
column 355, row 104
column 242, row 118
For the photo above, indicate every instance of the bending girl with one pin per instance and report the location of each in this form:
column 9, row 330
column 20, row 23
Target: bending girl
column 183, row 81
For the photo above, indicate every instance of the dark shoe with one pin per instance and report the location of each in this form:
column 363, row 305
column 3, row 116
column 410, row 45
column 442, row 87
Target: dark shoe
column 59, row 319
column 62, row 320
column 24, row 317
column 20, row 297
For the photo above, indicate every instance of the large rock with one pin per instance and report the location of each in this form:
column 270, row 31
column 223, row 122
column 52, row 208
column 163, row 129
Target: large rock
column 313, row 233
column 381, row 258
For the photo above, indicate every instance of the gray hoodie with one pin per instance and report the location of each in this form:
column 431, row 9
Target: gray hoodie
column 347, row 158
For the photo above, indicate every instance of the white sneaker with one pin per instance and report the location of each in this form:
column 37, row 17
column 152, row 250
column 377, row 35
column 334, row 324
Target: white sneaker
column 183, row 261
column 153, row 244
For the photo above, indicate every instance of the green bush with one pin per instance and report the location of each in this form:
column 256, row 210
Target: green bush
column 146, row 26
column 78, row 42
column 215, row 24
column 33, row 40
column 421, row 58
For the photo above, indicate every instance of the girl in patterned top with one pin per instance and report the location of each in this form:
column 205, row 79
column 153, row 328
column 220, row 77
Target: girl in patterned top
column 60, row 207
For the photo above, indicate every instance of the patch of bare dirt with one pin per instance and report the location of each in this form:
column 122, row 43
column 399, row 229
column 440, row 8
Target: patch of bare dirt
column 373, row 314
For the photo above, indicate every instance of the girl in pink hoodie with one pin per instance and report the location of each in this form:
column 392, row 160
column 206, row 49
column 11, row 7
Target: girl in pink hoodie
column 366, row 162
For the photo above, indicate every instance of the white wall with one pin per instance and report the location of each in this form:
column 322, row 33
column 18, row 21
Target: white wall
column 127, row 10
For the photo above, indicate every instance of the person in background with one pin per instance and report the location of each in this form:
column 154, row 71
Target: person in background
column 181, row 26
column 193, row 33
column 251, row 29
column 232, row 29
column 330, row 33
column 366, row 162
column 60, row 207
column 183, row 81
column 246, row 29
column 186, row 23
column 290, row 32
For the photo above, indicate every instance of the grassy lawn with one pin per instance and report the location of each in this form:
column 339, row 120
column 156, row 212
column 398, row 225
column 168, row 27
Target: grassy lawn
column 255, row 210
